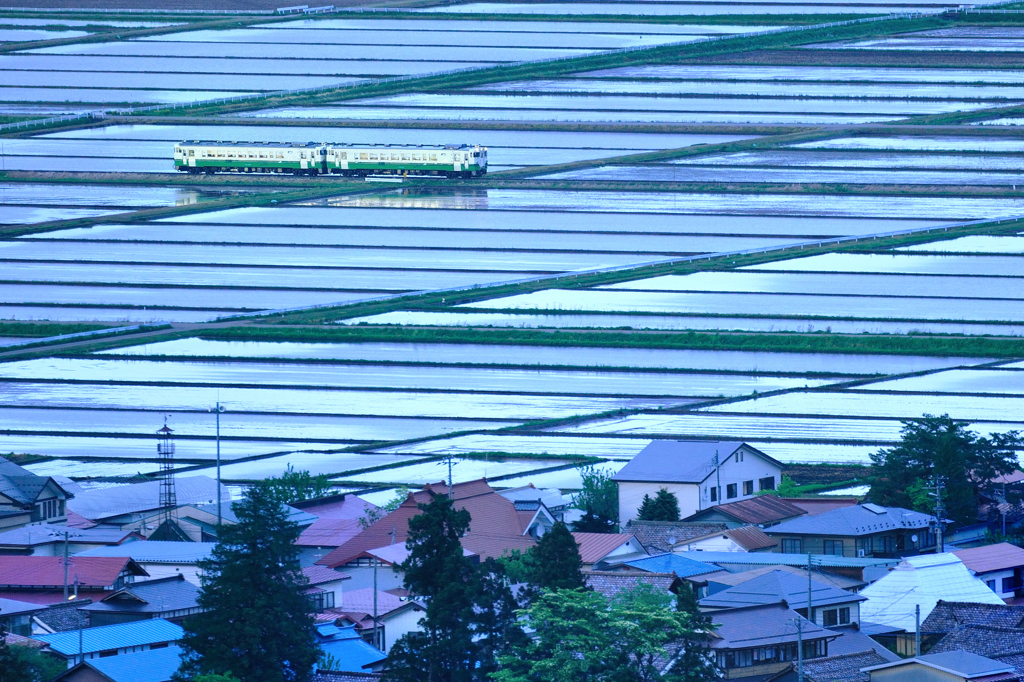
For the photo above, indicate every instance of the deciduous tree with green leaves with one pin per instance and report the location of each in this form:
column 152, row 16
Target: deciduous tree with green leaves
column 257, row 624
column 940, row 446
column 26, row 664
column 580, row 637
column 663, row 507
column 295, row 486
column 599, row 500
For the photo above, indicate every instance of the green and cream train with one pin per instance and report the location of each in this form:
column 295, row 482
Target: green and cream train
column 450, row 160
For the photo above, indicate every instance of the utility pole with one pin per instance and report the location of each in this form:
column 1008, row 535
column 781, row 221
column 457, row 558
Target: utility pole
column 66, row 562
column 718, row 479
column 940, row 512
column 810, row 609
column 220, row 516
column 799, row 650
column 917, row 630
column 375, row 562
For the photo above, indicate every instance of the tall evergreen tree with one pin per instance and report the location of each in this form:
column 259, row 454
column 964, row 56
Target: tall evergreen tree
column 257, row 623
column 554, row 563
column 663, row 507
column 437, row 572
column 695, row 662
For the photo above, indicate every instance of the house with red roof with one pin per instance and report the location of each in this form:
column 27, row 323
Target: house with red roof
column 41, row 579
column 601, row 549
column 396, row 615
column 496, row 526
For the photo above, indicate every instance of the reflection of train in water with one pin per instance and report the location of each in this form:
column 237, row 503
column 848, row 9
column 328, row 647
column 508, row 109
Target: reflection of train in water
column 450, row 160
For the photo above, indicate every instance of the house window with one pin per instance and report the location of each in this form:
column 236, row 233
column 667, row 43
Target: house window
column 158, row 645
column 49, row 508
column 1009, row 585
column 108, row 653
column 833, row 547
column 766, row 483
column 748, row 487
column 792, row 546
column 739, row 456
column 991, row 584
column 714, row 494
column 730, row 490
column 833, row 617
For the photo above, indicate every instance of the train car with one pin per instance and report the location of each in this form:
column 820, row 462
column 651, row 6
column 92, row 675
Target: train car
column 450, row 160
column 199, row 156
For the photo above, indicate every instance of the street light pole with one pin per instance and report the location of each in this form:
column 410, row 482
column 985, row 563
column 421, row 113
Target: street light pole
column 218, row 409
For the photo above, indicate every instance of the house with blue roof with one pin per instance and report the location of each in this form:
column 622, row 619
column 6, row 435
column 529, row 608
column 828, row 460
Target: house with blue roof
column 88, row 644
column 154, row 665
column 682, row 566
column 345, row 650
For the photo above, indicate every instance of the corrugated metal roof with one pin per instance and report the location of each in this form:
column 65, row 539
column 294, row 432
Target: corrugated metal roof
column 152, row 596
column 45, row 533
column 155, row 665
column 762, row 626
column 10, row 607
column 596, row 546
column 921, row 581
column 141, row 497
column 156, row 551
column 755, row 510
column 136, row 633
column 48, row 571
column 318, row 575
column 776, row 587
column 998, row 557
column 775, row 558
column 672, row 563
column 750, row 538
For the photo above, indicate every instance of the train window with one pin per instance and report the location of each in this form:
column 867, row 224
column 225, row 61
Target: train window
column 373, row 157
column 191, row 152
column 405, row 157
column 433, row 157
column 415, row 157
column 362, row 156
column 344, row 155
column 220, row 155
column 302, row 155
column 396, row 157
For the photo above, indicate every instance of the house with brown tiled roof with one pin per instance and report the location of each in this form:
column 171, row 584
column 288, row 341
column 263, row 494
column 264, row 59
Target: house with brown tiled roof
column 948, row 615
column 496, row 526
column 662, row 536
column 837, row 668
column 763, row 511
column 613, row 583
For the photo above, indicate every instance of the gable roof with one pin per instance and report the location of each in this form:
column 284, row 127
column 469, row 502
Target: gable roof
column 820, row 505
column 750, row 538
column 10, row 607
column 22, row 486
column 680, row 461
column 48, row 533
column 612, row 583
column 984, row 640
column 360, row 603
column 136, row 633
column 669, row 562
column 762, row 626
column 152, row 665
column 321, row 575
column 153, row 596
column 341, row 506
column 495, row 524
column 48, row 571
column 862, row 519
column 596, row 546
column 662, row 536
column 852, row 640
column 755, row 510
column 921, row 580
column 989, row 558
column 948, row 615
column 156, row 551
column 777, row 587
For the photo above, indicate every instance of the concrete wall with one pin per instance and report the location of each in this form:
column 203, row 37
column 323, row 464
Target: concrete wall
column 631, row 495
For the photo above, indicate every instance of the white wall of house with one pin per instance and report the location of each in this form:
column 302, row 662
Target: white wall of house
column 362, row 577
column 994, row 580
column 162, row 570
column 715, row 543
column 631, row 496
column 399, row 624
column 742, row 467
column 819, row 614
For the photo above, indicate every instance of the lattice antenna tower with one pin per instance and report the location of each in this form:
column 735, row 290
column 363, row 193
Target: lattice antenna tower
column 165, row 454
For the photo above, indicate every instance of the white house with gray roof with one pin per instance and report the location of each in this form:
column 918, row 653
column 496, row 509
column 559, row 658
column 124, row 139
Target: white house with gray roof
column 700, row 474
